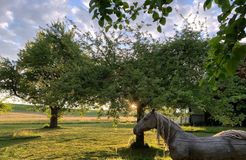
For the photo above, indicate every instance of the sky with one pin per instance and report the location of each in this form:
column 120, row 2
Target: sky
column 20, row 20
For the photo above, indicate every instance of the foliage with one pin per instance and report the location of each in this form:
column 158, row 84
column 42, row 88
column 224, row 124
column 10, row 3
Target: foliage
column 136, row 69
column 174, row 113
column 10, row 77
column 226, row 51
column 124, row 76
column 50, row 72
column 181, row 80
column 45, row 60
column 4, row 107
column 125, row 12
column 180, row 63
column 227, row 104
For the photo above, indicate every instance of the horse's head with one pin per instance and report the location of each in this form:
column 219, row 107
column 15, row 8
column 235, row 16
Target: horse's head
column 148, row 122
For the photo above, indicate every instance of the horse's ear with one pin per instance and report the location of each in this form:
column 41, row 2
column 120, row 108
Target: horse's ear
column 153, row 110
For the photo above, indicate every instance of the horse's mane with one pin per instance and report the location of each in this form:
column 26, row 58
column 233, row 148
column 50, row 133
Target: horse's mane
column 237, row 134
column 160, row 126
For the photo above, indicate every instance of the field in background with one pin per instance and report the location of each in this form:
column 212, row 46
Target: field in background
column 33, row 109
column 22, row 136
column 27, row 113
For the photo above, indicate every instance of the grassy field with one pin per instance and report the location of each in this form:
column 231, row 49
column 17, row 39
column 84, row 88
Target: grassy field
column 31, row 109
column 77, row 139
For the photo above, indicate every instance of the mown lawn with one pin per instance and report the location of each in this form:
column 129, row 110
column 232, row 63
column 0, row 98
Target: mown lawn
column 89, row 140
column 79, row 140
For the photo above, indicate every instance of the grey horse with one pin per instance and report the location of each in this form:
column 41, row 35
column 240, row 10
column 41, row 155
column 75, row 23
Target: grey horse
column 227, row 145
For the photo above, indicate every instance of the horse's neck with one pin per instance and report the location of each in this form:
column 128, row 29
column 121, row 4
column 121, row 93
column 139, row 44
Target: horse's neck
column 171, row 129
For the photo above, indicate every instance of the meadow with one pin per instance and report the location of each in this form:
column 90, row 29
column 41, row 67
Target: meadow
column 80, row 138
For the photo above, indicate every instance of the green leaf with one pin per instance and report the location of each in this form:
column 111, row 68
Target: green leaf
column 127, row 21
column 162, row 21
column 108, row 18
column 92, row 8
column 118, row 13
column 135, row 4
column 169, row 1
column 95, row 15
column 150, row 11
column 215, row 41
column 120, row 26
column 238, row 54
column 125, row 5
column 169, row 9
column 107, row 28
column 164, row 11
column 91, row 2
column 147, row 2
column 134, row 16
column 155, row 16
column 207, row 4
column 159, row 28
column 225, row 5
column 101, row 22
column 220, row 18
column 239, row 2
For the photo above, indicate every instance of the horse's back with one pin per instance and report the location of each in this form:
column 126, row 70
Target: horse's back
column 219, row 148
column 211, row 148
column 236, row 134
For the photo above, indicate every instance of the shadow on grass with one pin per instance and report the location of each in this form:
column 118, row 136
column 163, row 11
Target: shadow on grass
column 9, row 140
column 126, row 153
column 140, row 154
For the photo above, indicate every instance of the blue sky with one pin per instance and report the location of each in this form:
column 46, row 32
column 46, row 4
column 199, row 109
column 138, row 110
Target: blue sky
column 21, row 19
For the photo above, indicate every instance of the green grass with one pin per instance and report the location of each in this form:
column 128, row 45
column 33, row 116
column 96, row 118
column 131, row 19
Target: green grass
column 88, row 140
column 80, row 140
column 32, row 108
column 22, row 108
column 91, row 113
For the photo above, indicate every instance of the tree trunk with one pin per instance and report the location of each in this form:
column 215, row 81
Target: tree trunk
column 54, row 117
column 140, row 115
column 190, row 117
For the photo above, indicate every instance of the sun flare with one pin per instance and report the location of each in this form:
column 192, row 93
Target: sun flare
column 133, row 106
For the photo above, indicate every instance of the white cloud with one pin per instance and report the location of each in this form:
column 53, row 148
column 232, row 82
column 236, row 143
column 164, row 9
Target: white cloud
column 4, row 25
column 86, row 3
column 75, row 10
column 11, row 42
column 9, row 14
column 21, row 20
column 243, row 40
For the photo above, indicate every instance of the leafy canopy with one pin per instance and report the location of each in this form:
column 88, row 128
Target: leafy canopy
column 127, row 11
column 226, row 52
column 51, row 69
